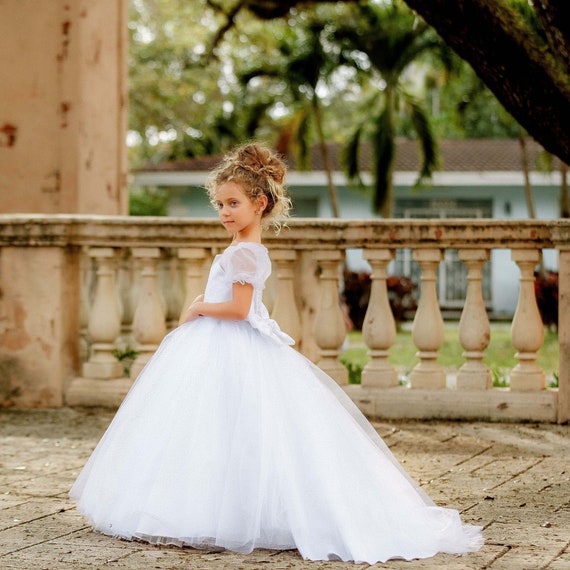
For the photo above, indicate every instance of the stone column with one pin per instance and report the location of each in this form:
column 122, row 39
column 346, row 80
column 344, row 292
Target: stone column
column 149, row 325
column 474, row 327
column 330, row 330
column 428, row 329
column 64, row 103
column 193, row 259
column 527, row 330
column 104, row 318
column 379, row 328
column 39, row 324
column 563, row 336
column 285, row 310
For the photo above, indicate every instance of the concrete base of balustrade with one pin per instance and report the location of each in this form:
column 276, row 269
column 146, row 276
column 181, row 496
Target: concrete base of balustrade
column 489, row 405
column 94, row 393
column 383, row 403
column 102, row 370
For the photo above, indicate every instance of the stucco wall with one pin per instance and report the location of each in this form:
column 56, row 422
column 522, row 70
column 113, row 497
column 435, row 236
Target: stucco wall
column 63, row 106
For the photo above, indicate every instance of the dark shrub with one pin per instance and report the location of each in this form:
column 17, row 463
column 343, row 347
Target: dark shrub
column 546, row 291
column 401, row 294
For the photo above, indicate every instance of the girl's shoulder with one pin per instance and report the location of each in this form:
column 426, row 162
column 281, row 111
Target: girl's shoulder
column 252, row 248
column 246, row 262
column 246, row 250
column 253, row 245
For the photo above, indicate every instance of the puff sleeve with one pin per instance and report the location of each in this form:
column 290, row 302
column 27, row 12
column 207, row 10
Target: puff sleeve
column 245, row 265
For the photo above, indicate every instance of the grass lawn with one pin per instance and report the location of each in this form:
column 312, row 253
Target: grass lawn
column 500, row 355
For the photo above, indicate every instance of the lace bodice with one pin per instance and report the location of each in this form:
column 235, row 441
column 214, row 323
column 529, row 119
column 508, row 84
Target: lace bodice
column 245, row 262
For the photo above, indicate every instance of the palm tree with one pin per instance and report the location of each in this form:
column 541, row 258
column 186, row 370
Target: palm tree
column 393, row 39
column 303, row 64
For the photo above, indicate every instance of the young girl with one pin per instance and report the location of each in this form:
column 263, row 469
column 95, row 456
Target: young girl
column 231, row 439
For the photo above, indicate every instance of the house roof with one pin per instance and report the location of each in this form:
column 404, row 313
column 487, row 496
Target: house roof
column 468, row 155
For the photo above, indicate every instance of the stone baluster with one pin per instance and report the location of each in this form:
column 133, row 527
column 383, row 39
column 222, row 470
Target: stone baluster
column 330, row 330
column 527, row 330
column 86, row 281
column 171, row 287
column 149, row 325
column 379, row 328
column 428, row 329
column 474, row 327
column 308, row 300
column 129, row 288
column 193, row 259
column 104, row 318
column 285, row 310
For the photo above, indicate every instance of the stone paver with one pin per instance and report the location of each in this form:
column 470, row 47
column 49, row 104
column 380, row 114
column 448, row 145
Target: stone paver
column 513, row 479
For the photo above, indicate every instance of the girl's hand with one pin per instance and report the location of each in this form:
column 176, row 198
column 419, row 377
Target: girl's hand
column 192, row 312
column 236, row 309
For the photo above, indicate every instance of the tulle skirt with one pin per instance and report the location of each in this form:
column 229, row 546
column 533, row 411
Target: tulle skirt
column 231, row 440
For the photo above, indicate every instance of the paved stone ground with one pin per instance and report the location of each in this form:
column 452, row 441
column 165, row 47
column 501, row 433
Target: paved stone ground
column 513, row 479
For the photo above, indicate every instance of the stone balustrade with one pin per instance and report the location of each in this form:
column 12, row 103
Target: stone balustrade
column 79, row 290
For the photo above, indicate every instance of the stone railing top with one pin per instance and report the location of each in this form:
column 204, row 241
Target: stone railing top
column 301, row 233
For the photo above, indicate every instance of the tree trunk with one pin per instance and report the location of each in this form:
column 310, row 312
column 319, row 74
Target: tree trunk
column 388, row 205
column 526, row 174
column 564, row 202
column 333, row 199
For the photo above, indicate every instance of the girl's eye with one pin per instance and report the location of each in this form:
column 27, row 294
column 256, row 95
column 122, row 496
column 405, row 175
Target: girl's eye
column 234, row 203
column 219, row 205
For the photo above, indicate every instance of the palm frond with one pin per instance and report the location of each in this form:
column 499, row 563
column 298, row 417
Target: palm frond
column 253, row 116
column 351, row 154
column 303, row 136
column 429, row 148
column 383, row 143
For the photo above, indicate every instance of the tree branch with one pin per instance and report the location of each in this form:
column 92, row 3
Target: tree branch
column 524, row 77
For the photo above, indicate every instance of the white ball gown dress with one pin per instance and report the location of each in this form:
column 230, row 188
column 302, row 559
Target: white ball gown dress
column 231, row 439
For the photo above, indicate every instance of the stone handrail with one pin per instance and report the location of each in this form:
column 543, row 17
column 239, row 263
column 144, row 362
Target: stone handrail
column 128, row 279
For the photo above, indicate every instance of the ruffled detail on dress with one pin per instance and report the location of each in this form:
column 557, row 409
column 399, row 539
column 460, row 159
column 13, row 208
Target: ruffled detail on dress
column 269, row 328
column 246, row 262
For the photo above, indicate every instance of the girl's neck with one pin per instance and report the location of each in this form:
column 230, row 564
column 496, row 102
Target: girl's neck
column 251, row 236
column 240, row 240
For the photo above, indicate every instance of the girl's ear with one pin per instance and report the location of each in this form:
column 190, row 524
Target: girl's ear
column 262, row 202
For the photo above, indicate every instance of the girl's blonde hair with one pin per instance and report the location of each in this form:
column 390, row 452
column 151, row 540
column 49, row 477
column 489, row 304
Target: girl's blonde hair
column 259, row 171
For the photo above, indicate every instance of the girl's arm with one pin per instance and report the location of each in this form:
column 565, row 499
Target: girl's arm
column 235, row 310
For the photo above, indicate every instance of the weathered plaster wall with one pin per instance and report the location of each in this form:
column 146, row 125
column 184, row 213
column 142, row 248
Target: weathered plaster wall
column 63, row 106
column 39, row 325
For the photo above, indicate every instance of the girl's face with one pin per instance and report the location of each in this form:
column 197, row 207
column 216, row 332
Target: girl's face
column 239, row 215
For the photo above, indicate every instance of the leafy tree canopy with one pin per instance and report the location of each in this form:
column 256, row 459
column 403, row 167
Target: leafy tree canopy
column 528, row 72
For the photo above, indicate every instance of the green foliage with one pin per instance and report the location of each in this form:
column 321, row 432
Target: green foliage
column 205, row 75
column 354, row 368
column 126, row 357
column 148, row 202
column 182, row 89
column 500, row 376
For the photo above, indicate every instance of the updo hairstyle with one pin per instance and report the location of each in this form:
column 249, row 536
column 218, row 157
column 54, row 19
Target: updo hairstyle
column 259, row 171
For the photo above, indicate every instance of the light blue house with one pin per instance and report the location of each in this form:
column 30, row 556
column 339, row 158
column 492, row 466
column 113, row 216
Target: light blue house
column 479, row 179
